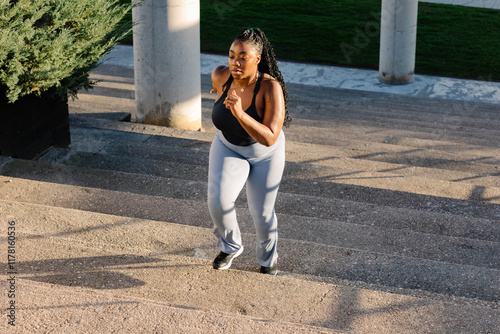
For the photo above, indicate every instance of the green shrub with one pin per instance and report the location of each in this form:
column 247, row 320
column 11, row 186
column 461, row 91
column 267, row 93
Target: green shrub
column 52, row 45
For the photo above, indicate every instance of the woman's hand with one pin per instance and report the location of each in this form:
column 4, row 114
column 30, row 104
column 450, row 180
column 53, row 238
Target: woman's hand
column 233, row 103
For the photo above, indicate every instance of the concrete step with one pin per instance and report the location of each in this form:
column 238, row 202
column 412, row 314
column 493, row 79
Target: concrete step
column 441, row 155
column 312, row 199
column 435, row 124
column 416, row 117
column 75, row 265
column 349, row 143
column 82, row 256
column 472, row 266
column 316, row 163
column 433, row 173
column 387, row 138
column 192, row 164
column 380, row 142
column 408, row 117
column 378, row 117
column 87, row 310
column 311, row 102
column 475, row 166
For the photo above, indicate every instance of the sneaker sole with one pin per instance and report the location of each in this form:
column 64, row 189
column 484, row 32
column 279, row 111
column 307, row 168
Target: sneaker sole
column 227, row 266
column 271, row 274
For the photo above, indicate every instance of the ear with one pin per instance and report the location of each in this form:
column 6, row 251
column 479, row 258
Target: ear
column 258, row 59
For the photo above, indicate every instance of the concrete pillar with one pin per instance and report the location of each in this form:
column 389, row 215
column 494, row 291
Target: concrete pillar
column 398, row 41
column 167, row 63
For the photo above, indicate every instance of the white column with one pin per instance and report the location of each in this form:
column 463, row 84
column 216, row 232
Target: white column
column 398, row 41
column 167, row 63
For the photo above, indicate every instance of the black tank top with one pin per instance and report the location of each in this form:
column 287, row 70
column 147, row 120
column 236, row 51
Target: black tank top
column 224, row 120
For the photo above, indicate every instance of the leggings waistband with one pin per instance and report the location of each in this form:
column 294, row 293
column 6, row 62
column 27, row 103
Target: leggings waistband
column 255, row 150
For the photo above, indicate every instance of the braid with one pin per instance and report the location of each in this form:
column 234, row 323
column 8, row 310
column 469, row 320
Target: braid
column 268, row 63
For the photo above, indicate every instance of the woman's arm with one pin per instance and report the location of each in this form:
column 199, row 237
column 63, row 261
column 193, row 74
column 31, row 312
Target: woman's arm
column 267, row 132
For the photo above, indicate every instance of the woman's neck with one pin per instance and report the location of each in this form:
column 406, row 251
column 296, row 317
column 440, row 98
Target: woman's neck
column 246, row 82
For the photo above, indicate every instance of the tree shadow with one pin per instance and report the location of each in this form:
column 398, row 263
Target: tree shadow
column 478, row 194
column 89, row 272
column 92, row 280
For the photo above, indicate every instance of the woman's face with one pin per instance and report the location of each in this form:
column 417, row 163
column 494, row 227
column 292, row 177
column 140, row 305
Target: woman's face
column 243, row 60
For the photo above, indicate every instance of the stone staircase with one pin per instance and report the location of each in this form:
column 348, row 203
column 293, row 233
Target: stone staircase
column 389, row 215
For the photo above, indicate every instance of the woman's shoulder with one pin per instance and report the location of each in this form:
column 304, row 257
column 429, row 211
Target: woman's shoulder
column 269, row 82
column 220, row 74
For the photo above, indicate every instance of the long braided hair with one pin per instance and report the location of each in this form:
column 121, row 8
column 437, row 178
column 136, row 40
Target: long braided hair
column 268, row 63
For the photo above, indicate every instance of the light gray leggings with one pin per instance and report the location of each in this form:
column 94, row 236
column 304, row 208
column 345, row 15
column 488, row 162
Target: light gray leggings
column 261, row 169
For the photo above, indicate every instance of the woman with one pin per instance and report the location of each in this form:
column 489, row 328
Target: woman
column 248, row 148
